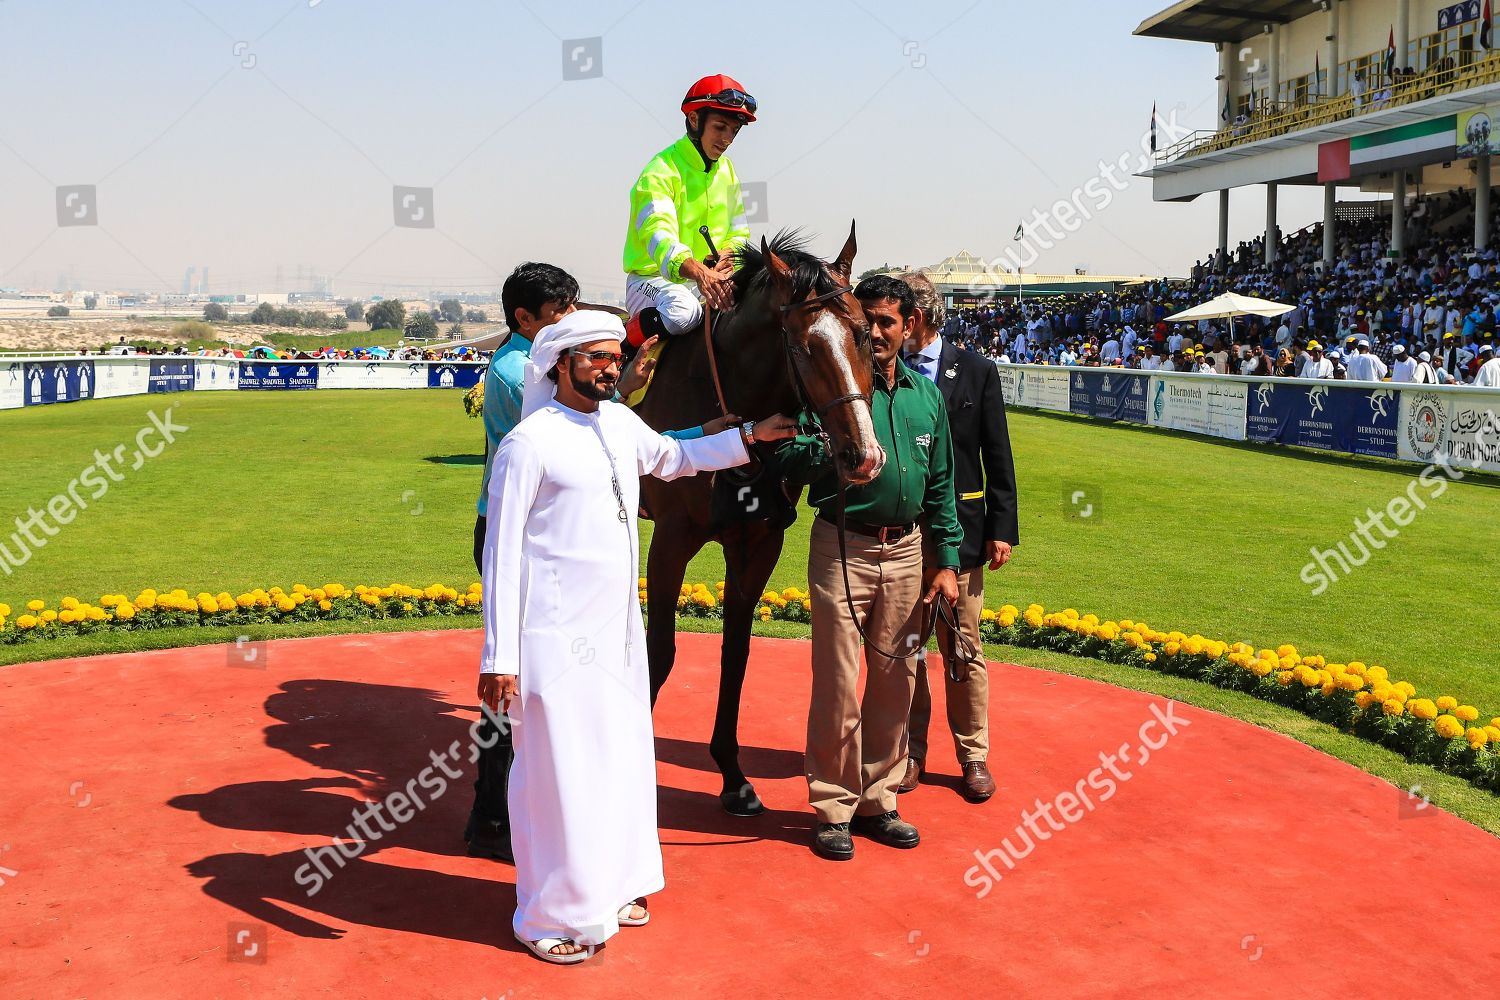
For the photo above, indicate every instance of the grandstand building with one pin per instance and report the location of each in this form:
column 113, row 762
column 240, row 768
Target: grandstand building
column 1393, row 96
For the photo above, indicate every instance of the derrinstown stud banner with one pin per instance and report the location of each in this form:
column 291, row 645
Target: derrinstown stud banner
column 1458, row 425
column 42, row 381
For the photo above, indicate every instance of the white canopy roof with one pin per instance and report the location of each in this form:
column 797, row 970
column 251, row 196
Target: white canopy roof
column 1228, row 305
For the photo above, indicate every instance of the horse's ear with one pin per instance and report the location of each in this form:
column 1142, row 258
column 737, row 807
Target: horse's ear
column 843, row 264
column 781, row 275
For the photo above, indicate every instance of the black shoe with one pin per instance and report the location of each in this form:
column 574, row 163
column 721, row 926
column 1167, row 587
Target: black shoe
column 831, row 841
column 888, row 829
column 488, row 839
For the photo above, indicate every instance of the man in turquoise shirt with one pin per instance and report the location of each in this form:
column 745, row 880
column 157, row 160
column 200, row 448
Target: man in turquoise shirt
column 535, row 296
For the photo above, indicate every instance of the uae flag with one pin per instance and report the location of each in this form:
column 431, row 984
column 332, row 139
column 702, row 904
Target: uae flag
column 1153, row 126
column 1390, row 55
column 1020, row 232
column 1484, row 27
column 1224, row 111
column 1317, row 80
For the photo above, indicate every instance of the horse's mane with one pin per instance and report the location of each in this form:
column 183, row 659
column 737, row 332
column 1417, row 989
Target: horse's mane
column 809, row 273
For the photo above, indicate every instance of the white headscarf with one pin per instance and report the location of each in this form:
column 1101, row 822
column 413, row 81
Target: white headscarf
column 585, row 326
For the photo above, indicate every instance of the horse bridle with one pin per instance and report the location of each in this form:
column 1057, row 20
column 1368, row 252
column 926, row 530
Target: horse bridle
column 786, row 348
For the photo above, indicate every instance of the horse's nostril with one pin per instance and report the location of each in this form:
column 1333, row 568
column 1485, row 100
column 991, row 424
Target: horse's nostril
column 852, row 457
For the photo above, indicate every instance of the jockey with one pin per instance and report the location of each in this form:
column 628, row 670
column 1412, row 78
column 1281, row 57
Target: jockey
column 689, row 184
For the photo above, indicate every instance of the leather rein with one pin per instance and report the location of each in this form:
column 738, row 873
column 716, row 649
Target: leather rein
column 942, row 606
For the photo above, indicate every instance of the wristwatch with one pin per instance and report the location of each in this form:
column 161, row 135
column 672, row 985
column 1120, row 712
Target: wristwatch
column 747, row 431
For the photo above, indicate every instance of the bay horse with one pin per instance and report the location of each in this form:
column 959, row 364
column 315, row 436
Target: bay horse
column 795, row 339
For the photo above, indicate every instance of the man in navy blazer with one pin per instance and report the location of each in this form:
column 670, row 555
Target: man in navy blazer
column 984, row 479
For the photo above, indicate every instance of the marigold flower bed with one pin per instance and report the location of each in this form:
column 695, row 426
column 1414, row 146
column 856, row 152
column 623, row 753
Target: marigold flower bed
column 1354, row 697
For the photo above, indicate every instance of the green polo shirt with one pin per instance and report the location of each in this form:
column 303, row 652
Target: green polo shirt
column 916, row 484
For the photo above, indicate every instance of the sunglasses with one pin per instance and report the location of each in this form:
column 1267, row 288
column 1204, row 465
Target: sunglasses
column 600, row 359
column 729, row 99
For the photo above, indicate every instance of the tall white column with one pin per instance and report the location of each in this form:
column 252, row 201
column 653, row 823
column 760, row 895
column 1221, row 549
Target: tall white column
column 1403, row 31
column 1223, row 262
column 1482, row 202
column 1271, row 223
column 1225, row 81
column 1330, row 202
column 1273, row 64
column 1398, row 212
column 1332, row 55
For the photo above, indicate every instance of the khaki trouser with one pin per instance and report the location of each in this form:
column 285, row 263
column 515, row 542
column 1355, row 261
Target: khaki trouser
column 856, row 747
column 968, row 701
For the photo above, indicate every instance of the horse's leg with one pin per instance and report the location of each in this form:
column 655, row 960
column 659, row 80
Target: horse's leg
column 666, row 564
column 750, row 554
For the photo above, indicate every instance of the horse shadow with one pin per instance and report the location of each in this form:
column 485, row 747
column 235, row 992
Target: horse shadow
column 377, row 739
column 370, row 740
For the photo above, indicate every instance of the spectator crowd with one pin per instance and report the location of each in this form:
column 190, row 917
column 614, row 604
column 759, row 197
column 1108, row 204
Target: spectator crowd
column 1427, row 315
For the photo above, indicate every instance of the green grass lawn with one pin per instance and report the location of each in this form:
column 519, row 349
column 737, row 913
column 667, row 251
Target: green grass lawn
column 379, row 487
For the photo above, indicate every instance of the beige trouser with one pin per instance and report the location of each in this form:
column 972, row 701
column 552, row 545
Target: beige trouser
column 856, row 747
column 968, row 701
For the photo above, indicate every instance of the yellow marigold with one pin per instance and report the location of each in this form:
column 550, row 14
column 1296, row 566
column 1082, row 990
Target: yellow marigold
column 986, row 615
column 1493, row 732
column 1171, row 648
column 1392, row 707
column 1377, row 674
column 1011, row 609
column 1447, row 703
column 1150, row 657
column 1007, row 619
column 791, row 594
column 1260, row 668
column 66, row 616
column 1287, row 650
column 1423, row 708
column 640, row 584
column 25, row 622
column 1495, row 722
column 765, row 614
column 285, row 604
column 125, row 612
column 1406, row 688
column 319, row 594
column 806, row 604
column 244, row 600
column 767, row 596
column 405, row 605
column 1448, row 727
column 1284, row 678
column 1365, row 699
column 1311, row 678
column 1468, row 713
column 94, row 614
column 1476, row 737
column 325, row 605
column 49, row 615
column 1328, row 687
column 1350, row 682
column 1357, row 667
column 70, row 603
column 35, row 605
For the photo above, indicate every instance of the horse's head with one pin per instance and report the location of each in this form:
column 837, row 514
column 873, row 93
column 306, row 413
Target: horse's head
column 828, row 347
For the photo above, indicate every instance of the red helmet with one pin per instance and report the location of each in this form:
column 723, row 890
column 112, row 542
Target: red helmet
column 720, row 93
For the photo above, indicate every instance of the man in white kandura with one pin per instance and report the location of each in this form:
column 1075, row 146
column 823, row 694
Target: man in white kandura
column 564, row 647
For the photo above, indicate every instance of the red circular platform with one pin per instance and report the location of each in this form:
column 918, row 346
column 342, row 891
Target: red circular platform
column 157, row 806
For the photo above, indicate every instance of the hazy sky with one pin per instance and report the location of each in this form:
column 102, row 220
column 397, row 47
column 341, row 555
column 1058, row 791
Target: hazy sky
column 247, row 135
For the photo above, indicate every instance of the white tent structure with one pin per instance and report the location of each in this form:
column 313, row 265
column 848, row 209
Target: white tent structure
column 1228, row 306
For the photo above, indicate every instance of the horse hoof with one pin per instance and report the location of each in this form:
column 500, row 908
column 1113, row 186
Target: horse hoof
column 743, row 802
